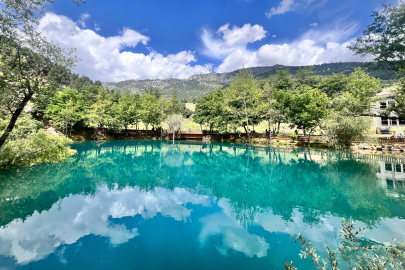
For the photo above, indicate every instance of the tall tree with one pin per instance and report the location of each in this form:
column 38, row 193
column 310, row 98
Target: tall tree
column 149, row 111
column 209, row 110
column 308, row 108
column 177, row 107
column 356, row 99
column 66, row 109
column 242, row 99
column 24, row 72
column 125, row 112
column 101, row 113
column 384, row 38
column 163, row 106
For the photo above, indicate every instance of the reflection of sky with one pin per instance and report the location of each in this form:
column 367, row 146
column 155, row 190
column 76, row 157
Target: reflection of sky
column 77, row 216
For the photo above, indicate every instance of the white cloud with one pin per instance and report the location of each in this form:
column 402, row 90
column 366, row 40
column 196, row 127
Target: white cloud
column 106, row 59
column 241, row 36
column 316, row 46
column 96, row 27
column 234, row 236
column 230, row 39
column 83, row 18
column 274, row 36
column 77, row 216
column 314, row 24
column 282, row 8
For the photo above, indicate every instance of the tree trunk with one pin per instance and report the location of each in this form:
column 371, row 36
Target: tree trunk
column 13, row 119
column 146, row 133
column 278, row 127
column 309, row 139
column 269, row 133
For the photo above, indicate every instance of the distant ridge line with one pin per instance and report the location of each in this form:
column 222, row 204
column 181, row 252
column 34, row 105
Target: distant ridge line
column 200, row 84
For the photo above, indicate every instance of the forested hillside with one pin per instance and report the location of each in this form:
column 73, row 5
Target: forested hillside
column 199, row 85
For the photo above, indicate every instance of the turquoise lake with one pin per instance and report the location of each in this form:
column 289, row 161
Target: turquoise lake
column 157, row 205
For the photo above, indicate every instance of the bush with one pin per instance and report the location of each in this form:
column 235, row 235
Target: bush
column 294, row 136
column 317, row 140
column 342, row 130
column 278, row 138
column 36, row 148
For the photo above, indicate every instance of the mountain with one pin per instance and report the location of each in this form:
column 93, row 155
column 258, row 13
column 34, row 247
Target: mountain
column 199, row 85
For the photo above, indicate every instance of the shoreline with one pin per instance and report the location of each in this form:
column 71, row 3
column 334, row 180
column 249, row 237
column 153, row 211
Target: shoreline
column 391, row 150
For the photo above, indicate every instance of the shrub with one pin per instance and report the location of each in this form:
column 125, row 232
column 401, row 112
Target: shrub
column 278, row 137
column 317, row 140
column 294, row 136
column 36, row 148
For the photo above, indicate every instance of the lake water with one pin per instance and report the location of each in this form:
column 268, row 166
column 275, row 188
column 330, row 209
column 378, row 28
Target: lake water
column 153, row 205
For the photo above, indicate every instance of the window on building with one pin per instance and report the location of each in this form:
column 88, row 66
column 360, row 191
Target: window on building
column 388, row 167
column 398, row 168
column 383, row 105
column 402, row 121
column 384, row 121
column 393, row 121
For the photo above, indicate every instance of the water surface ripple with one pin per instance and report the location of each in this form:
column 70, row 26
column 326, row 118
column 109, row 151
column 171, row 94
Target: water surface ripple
column 154, row 205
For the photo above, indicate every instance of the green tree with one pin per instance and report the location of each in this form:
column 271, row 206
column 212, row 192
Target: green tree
column 334, row 85
column 177, row 107
column 100, row 114
column 149, row 111
column 66, row 110
column 268, row 109
column 348, row 119
column 126, row 111
column 163, row 106
column 305, row 77
column 341, row 130
column 356, row 100
column 384, row 37
column 154, row 91
column 24, row 74
column 308, row 108
column 209, row 110
column 242, row 99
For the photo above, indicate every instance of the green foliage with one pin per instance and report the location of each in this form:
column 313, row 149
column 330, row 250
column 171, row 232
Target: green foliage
column 154, row 91
column 294, row 136
column 357, row 254
column 36, row 148
column 242, row 100
column 308, row 107
column 102, row 112
column 341, row 130
column 384, row 37
column 356, row 100
column 399, row 106
column 305, row 77
column 150, row 112
column 334, row 85
column 29, row 144
column 210, row 111
column 66, row 110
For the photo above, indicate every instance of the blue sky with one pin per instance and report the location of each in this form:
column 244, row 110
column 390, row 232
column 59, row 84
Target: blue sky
column 119, row 40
